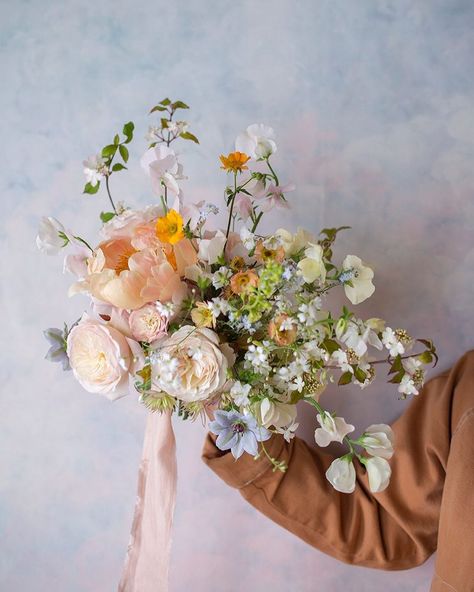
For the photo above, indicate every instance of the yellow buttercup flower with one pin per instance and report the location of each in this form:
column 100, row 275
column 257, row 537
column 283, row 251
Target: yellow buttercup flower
column 235, row 162
column 169, row 228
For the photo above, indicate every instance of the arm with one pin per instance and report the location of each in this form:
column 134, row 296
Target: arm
column 396, row 529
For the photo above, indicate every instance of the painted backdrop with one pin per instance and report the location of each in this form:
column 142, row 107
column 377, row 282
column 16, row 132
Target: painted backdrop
column 373, row 105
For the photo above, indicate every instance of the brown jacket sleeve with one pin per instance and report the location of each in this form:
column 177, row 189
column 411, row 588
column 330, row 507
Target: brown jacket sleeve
column 396, row 529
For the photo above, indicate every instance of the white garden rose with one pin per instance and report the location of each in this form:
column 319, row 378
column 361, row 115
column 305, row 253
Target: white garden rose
column 360, row 277
column 189, row 365
column 274, row 413
column 341, row 475
column 100, row 357
column 378, row 472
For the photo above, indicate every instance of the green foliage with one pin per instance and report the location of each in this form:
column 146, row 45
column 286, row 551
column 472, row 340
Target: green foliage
column 106, row 216
column 123, row 152
column 345, row 378
column 91, row 189
column 189, row 136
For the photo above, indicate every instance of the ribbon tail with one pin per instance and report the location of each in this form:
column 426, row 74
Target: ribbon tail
column 146, row 566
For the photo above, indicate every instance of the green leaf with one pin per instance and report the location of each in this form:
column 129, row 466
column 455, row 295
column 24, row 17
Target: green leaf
column 189, row 136
column 360, row 374
column 118, row 167
column 157, row 108
column 164, row 122
column 396, row 365
column 116, row 139
column 179, row 105
column 88, row 188
column 346, row 378
column 106, row 216
column 123, row 152
column 109, row 150
column 330, row 345
column 426, row 357
column 165, row 102
column 128, row 131
column 398, row 377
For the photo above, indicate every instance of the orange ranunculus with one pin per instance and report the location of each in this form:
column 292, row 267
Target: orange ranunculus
column 243, row 281
column 264, row 254
column 235, row 162
column 169, row 228
column 281, row 336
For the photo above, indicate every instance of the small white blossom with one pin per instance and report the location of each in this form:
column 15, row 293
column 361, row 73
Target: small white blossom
column 219, row 306
column 340, row 358
column 392, row 343
column 407, row 386
column 94, row 169
column 221, row 277
column 288, row 432
column 240, row 393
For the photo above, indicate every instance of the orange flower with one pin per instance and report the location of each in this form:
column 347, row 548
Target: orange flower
column 169, row 228
column 243, row 281
column 264, row 254
column 282, row 336
column 234, row 162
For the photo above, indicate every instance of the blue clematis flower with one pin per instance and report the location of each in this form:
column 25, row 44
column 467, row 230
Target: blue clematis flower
column 57, row 351
column 237, row 432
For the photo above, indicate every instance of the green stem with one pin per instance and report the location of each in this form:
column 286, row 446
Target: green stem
column 272, row 171
column 231, row 206
column 84, row 242
column 108, row 193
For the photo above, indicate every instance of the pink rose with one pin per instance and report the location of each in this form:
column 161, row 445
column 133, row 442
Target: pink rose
column 148, row 323
column 100, row 357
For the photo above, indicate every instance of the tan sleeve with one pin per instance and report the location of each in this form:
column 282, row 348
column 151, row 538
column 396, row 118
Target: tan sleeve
column 396, row 529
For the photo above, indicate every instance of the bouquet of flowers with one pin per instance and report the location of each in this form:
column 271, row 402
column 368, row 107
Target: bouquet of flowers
column 184, row 316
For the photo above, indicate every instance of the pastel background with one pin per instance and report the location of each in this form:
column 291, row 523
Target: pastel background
column 373, row 104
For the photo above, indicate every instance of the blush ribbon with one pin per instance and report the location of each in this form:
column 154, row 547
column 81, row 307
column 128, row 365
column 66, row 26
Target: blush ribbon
column 146, row 566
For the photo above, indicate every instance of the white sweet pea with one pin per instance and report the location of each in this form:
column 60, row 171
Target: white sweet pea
column 247, row 238
column 210, row 249
column 94, row 169
column 341, row 475
column 49, row 240
column 378, row 472
column 333, row 429
column 312, row 267
column 357, row 335
column 161, row 164
column 360, row 277
column 257, row 141
column 275, row 413
column 378, row 440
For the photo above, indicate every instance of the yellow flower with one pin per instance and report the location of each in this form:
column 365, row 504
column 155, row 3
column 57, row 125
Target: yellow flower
column 202, row 315
column 169, row 228
column 234, row 162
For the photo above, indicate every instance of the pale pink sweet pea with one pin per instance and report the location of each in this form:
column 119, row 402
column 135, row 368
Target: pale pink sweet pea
column 243, row 205
column 273, row 197
column 161, row 164
column 148, row 323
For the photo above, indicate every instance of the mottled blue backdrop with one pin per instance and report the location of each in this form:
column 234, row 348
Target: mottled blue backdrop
column 373, row 104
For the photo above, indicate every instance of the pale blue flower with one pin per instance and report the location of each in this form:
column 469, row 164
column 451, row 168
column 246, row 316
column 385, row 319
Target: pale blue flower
column 237, row 432
column 57, row 351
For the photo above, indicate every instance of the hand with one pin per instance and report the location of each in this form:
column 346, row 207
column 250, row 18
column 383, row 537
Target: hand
column 210, row 407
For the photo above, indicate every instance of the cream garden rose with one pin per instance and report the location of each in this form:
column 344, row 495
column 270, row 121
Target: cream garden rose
column 100, row 357
column 190, row 365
